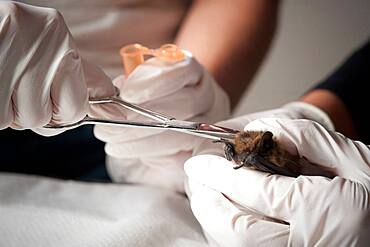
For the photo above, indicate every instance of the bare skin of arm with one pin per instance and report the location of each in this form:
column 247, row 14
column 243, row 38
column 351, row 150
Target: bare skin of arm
column 230, row 39
column 335, row 108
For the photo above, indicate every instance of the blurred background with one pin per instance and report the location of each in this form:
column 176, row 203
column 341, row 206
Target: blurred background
column 314, row 36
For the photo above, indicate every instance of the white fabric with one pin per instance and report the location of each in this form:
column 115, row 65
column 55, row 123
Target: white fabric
column 36, row 211
column 101, row 27
column 234, row 206
column 43, row 78
column 183, row 90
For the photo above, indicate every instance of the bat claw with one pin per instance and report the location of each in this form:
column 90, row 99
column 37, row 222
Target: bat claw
column 238, row 167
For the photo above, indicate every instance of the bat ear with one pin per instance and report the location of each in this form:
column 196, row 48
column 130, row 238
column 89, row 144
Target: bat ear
column 266, row 143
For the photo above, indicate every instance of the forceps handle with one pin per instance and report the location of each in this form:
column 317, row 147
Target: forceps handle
column 90, row 120
column 179, row 126
column 142, row 111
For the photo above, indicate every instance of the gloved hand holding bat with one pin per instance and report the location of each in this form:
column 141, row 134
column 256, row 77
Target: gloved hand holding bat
column 249, row 207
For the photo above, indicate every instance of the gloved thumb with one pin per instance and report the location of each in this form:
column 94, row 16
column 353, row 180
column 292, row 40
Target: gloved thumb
column 99, row 85
column 97, row 82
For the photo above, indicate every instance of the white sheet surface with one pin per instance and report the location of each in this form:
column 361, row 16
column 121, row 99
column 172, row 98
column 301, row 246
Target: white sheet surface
column 37, row 211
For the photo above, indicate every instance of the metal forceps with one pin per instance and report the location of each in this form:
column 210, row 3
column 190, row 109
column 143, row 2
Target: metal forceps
column 205, row 130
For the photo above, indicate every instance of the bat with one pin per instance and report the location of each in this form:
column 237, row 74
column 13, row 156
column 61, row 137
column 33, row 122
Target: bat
column 259, row 150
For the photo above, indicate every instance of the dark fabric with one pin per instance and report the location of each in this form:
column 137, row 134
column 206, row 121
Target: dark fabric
column 74, row 154
column 351, row 82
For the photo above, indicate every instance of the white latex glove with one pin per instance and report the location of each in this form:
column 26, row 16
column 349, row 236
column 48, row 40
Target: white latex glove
column 234, row 206
column 183, row 90
column 42, row 77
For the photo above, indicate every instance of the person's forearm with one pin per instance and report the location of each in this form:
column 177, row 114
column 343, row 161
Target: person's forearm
column 344, row 95
column 230, row 39
column 335, row 108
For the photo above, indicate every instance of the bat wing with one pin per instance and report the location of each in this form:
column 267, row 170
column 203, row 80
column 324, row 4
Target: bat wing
column 265, row 165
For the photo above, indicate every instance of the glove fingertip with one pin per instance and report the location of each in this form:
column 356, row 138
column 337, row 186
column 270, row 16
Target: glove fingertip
column 48, row 132
column 98, row 83
column 7, row 119
column 115, row 151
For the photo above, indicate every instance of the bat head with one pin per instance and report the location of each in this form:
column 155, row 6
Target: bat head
column 260, row 142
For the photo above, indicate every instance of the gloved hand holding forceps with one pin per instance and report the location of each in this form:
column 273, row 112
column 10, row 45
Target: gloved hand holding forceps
column 35, row 88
